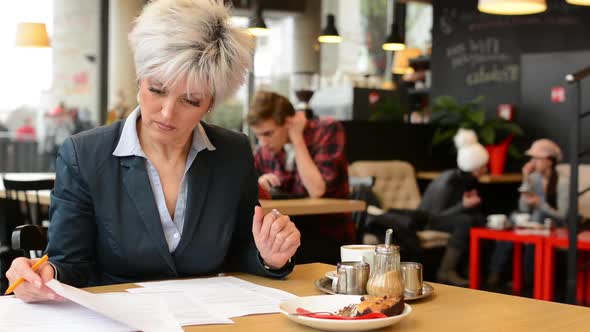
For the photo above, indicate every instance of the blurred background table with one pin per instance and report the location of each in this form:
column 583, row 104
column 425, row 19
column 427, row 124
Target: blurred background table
column 504, row 178
column 518, row 237
column 558, row 240
column 43, row 194
column 310, row 206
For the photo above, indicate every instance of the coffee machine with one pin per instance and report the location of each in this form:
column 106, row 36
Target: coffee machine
column 305, row 83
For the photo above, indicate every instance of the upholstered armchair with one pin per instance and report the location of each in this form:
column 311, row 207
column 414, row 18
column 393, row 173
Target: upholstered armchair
column 583, row 184
column 395, row 186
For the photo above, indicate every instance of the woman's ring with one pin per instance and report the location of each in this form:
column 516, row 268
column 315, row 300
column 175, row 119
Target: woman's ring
column 276, row 213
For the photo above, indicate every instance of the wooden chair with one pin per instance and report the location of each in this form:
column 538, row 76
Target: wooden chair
column 26, row 239
column 13, row 215
column 17, row 188
column 29, row 238
column 396, row 188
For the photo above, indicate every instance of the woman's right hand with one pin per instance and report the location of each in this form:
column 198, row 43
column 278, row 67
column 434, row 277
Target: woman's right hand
column 269, row 180
column 33, row 289
column 528, row 168
column 471, row 199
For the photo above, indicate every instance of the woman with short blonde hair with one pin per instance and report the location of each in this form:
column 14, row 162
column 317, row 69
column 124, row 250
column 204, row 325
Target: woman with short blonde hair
column 163, row 195
column 194, row 41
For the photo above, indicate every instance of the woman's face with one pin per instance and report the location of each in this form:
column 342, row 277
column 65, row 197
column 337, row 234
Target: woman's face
column 169, row 115
column 541, row 165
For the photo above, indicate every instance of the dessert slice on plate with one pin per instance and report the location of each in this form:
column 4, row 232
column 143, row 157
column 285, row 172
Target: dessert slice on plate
column 332, row 304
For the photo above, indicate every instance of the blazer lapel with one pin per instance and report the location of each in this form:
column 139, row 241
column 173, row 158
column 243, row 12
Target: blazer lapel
column 199, row 176
column 137, row 184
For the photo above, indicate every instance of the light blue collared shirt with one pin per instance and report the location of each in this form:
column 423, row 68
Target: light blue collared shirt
column 129, row 146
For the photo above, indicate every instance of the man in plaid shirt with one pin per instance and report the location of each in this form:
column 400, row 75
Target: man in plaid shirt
column 301, row 157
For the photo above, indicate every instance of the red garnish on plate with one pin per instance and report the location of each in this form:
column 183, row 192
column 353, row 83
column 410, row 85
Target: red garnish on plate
column 307, row 313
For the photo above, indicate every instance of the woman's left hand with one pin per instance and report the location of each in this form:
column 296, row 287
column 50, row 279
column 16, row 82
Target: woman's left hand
column 531, row 199
column 276, row 237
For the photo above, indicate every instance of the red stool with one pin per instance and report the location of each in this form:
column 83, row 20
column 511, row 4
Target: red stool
column 559, row 239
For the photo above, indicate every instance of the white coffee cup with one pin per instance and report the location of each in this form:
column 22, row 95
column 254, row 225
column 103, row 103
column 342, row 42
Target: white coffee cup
column 497, row 221
column 358, row 253
column 521, row 219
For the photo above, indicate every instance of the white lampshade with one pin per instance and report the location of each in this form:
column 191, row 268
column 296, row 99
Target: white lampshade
column 579, row 2
column 512, row 7
column 329, row 39
column 30, row 34
column 259, row 31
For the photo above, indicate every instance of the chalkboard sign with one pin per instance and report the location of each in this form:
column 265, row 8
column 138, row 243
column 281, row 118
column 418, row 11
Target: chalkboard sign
column 480, row 54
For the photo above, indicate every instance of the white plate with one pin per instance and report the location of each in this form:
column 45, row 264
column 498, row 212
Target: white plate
column 332, row 303
column 331, row 274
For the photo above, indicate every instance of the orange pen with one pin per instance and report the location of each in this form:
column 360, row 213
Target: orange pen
column 21, row 280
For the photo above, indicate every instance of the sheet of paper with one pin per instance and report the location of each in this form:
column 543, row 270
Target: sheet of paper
column 18, row 316
column 132, row 311
column 227, row 296
column 185, row 311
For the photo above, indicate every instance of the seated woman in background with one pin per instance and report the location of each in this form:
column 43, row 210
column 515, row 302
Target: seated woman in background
column 163, row 195
column 453, row 203
column 544, row 195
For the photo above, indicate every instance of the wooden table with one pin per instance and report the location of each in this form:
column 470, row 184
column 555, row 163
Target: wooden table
column 504, row 178
column 449, row 309
column 43, row 194
column 306, row 206
column 292, row 207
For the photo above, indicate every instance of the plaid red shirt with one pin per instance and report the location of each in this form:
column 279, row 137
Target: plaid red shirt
column 326, row 142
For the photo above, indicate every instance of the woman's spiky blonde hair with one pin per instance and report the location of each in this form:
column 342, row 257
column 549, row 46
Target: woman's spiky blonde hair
column 191, row 40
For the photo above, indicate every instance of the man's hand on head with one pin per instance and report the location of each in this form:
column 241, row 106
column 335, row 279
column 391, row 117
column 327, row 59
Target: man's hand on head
column 296, row 125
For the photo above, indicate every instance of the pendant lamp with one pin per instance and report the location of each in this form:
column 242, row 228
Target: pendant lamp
column 330, row 34
column 257, row 26
column 512, row 7
column 579, row 2
column 395, row 41
column 31, row 35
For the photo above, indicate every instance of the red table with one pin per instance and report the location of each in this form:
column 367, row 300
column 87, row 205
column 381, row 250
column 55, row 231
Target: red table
column 559, row 239
column 518, row 237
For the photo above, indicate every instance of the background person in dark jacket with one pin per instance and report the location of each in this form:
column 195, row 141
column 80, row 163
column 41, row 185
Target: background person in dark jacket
column 453, row 202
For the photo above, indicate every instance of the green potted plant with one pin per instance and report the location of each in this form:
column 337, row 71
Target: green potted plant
column 388, row 109
column 496, row 134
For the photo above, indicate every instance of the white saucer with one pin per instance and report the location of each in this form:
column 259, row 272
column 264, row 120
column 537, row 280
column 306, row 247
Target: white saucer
column 427, row 290
column 331, row 274
column 325, row 285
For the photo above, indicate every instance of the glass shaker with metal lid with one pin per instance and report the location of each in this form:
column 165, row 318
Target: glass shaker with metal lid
column 386, row 277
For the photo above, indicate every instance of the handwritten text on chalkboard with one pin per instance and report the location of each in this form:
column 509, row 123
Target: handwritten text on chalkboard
column 484, row 60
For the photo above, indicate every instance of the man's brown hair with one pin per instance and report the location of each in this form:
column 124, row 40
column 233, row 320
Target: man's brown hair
column 269, row 105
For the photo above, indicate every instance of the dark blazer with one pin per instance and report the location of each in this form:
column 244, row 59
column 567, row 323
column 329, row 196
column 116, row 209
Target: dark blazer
column 104, row 223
